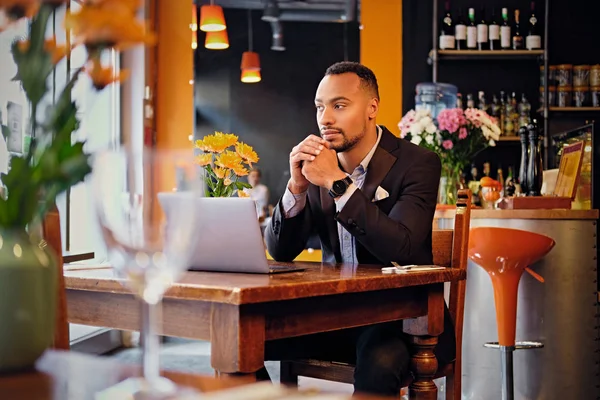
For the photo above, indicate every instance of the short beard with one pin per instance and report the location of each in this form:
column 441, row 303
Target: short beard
column 349, row 144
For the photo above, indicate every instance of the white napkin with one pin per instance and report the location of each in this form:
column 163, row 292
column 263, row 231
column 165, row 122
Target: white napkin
column 380, row 194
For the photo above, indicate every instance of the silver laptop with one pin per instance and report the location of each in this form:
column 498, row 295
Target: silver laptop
column 229, row 236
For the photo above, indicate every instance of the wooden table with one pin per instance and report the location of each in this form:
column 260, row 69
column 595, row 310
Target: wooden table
column 67, row 375
column 239, row 312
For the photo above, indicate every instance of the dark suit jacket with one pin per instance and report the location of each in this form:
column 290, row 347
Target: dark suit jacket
column 397, row 228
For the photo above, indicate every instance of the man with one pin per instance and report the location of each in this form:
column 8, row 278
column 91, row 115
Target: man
column 371, row 198
column 259, row 193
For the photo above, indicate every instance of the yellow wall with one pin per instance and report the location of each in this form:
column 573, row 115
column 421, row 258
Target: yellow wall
column 174, row 97
column 381, row 50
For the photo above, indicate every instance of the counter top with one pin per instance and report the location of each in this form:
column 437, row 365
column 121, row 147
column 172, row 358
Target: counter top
column 523, row 214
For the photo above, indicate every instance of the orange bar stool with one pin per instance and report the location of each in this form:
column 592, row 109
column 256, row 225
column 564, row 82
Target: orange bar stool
column 505, row 254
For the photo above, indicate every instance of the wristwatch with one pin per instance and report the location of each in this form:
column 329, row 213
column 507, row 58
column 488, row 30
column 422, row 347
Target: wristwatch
column 339, row 187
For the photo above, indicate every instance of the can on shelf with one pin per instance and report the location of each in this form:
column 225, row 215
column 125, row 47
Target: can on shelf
column 564, row 96
column 581, row 96
column 551, row 75
column 595, row 95
column 595, row 75
column 564, row 75
column 581, row 75
column 551, row 96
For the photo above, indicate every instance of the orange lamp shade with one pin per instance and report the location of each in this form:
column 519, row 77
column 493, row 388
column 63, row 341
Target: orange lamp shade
column 250, row 76
column 212, row 18
column 250, row 61
column 217, row 40
column 194, row 24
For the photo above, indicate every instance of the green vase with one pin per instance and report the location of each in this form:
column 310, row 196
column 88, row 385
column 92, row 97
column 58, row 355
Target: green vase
column 449, row 186
column 28, row 298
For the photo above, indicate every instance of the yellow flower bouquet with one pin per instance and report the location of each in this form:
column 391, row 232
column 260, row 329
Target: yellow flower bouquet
column 223, row 167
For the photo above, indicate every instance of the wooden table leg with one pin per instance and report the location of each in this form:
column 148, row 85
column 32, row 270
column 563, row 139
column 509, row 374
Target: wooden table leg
column 424, row 332
column 424, row 365
column 237, row 339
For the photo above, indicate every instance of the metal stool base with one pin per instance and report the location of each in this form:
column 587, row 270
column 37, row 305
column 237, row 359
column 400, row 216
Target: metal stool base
column 506, row 353
column 522, row 345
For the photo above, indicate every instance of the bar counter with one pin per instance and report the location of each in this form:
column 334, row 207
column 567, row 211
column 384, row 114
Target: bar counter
column 562, row 313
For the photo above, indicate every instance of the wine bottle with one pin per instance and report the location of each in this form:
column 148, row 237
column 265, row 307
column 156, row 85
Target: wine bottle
column 447, row 30
column 517, row 39
column 471, row 30
column 505, row 36
column 494, row 32
column 460, row 32
column 482, row 32
column 533, row 41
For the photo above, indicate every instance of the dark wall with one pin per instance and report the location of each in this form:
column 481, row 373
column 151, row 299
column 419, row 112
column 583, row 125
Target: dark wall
column 278, row 112
column 573, row 39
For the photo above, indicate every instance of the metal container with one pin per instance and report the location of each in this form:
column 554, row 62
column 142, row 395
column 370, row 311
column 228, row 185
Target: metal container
column 562, row 313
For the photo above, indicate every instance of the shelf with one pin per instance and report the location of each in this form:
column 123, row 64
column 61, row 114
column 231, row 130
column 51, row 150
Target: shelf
column 489, row 54
column 509, row 139
column 571, row 109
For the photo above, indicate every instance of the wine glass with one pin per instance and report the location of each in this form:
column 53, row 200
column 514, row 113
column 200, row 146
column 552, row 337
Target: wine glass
column 145, row 206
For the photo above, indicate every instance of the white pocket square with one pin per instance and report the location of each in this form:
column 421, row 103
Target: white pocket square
column 380, row 194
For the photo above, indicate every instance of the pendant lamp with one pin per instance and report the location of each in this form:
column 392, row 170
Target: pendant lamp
column 250, row 60
column 217, row 40
column 212, row 18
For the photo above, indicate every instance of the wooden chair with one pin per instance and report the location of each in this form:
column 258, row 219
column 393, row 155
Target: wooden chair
column 450, row 250
column 51, row 233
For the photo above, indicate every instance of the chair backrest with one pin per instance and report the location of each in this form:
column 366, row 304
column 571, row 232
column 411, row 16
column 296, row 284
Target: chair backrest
column 450, row 248
column 51, row 232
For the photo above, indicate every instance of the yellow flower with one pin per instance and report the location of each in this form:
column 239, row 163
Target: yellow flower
column 227, row 182
column 108, row 23
column 247, row 153
column 240, row 170
column 57, row 53
column 204, row 159
column 221, row 173
column 241, row 193
column 229, row 160
column 216, row 143
column 101, row 76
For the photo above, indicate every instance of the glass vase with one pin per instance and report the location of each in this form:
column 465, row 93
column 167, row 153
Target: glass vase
column 449, row 186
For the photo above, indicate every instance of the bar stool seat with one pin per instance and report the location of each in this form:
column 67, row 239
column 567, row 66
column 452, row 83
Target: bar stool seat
column 504, row 254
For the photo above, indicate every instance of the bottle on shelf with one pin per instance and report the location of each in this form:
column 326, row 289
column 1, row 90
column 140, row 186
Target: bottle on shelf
column 534, row 165
column 482, row 32
column 517, row 39
column 514, row 105
column 502, row 120
column 460, row 32
column 509, row 184
column 505, row 35
column 533, row 41
column 471, row 31
column 509, row 126
column 500, row 179
column 524, row 160
column 447, row 40
column 482, row 104
column 459, row 101
column 487, row 170
column 495, row 108
column 524, row 111
column 494, row 32
column 470, row 101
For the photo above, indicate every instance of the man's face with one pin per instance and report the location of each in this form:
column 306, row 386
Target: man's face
column 343, row 110
column 253, row 178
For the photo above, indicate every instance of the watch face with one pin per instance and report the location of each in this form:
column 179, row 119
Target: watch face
column 339, row 187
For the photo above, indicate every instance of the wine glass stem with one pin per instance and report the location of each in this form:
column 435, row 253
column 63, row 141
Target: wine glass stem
column 151, row 346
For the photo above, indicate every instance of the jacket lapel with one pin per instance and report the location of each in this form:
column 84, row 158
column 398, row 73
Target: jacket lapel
column 328, row 207
column 380, row 164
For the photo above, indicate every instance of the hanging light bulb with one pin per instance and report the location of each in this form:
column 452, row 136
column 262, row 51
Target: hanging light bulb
column 194, row 24
column 212, row 18
column 194, row 40
column 217, row 40
column 250, row 60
